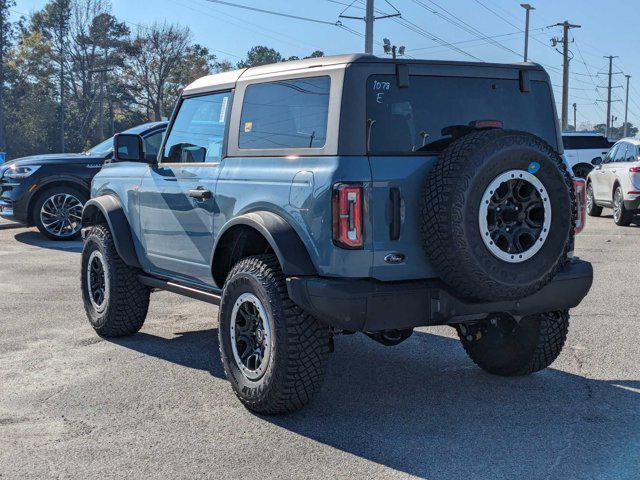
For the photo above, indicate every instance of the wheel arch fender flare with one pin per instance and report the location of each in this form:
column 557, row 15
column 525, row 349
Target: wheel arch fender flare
column 285, row 242
column 109, row 208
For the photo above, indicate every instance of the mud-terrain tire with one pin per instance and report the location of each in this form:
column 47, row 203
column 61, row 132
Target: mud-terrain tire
column 502, row 346
column 123, row 307
column 45, row 204
column 621, row 216
column 456, row 190
column 286, row 378
column 593, row 210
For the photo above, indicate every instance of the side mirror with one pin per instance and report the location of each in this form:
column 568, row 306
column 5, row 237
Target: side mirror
column 596, row 161
column 128, row 147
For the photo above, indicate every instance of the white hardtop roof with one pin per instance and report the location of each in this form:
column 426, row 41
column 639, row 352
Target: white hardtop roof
column 225, row 80
column 582, row 134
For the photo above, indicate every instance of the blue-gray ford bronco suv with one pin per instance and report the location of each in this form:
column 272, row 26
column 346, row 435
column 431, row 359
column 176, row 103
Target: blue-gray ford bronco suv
column 346, row 194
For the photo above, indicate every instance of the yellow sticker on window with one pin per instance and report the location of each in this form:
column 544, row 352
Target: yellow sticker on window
column 248, row 126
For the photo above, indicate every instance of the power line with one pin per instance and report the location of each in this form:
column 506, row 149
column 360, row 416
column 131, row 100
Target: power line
column 471, row 43
column 272, row 12
column 242, row 23
column 458, row 22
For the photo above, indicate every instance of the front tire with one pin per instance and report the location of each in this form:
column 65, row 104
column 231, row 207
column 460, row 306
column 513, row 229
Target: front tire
column 500, row 345
column 273, row 352
column 57, row 212
column 593, row 210
column 621, row 216
column 115, row 301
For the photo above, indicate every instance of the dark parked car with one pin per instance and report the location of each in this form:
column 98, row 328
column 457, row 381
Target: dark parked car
column 49, row 191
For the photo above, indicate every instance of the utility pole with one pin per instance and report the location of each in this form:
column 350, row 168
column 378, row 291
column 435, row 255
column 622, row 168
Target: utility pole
column 608, row 126
column 369, row 18
column 575, row 111
column 566, row 26
column 626, row 108
column 528, row 8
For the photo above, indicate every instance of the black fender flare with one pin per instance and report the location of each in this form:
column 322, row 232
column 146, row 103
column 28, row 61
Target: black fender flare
column 110, row 208
column 284, row 241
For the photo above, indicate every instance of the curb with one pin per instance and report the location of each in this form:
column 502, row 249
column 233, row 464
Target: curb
column 8, row 226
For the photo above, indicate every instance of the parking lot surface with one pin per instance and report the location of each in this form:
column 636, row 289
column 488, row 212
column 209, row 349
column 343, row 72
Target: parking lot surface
column 156, row 405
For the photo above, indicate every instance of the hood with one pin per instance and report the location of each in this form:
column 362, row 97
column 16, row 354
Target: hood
column 53, row 159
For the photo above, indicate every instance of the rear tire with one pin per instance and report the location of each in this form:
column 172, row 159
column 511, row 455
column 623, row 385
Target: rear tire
column 621, row 216
column 114, row 299
column 593, row 210
column 502, row 346
column 273, row 352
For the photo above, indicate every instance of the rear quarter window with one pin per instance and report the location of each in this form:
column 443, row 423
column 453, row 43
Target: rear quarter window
column 285, row 114
column 412, row 119
column 578, row 142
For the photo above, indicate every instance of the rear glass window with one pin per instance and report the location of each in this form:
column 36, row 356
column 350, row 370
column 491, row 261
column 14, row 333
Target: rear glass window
column 285, row 114
column 412, row 119
column 578, row 142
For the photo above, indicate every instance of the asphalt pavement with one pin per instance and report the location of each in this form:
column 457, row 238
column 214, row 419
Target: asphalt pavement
column 157, row 405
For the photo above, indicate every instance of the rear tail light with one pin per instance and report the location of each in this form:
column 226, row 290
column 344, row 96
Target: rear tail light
column 347, row 215
column 579, row 187
column 634, row 169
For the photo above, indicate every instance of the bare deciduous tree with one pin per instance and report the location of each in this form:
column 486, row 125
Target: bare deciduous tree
column 157, row 66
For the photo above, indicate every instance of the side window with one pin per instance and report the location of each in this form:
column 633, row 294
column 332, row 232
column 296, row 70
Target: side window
column 197, row 133
column 631, row 153
column 621, row 153
column 152, row 143
column 285, row 114
column 612, row 153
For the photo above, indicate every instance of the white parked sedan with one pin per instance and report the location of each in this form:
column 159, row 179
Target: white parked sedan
column 615, row 182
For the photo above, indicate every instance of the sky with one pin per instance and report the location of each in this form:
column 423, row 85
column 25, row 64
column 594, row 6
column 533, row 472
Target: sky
column 430, row 29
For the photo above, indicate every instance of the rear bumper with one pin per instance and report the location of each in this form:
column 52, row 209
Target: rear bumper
column 370, row 305
column 632, row 202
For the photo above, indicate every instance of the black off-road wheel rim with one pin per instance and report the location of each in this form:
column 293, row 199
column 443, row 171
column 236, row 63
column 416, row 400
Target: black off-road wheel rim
column 515, row 216
column 98, row 281
column 251, row 336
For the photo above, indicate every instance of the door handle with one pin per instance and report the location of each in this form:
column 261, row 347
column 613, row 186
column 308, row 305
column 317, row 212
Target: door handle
column 200, row 194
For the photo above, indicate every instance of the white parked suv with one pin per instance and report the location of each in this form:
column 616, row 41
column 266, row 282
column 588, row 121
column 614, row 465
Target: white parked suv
column 581, row 148
column 615, row 182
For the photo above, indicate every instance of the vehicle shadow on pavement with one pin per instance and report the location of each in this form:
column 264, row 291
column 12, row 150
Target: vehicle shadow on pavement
column 192, row 349
column 635, row 222
column 423, row 408
column 36, row 239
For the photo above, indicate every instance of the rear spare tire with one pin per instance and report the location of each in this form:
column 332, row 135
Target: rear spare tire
column 498, row 215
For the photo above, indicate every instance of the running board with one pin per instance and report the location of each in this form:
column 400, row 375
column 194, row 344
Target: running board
column 203, row 295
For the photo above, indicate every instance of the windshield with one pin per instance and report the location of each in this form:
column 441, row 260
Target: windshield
column 412, row 119
column 102, row 149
